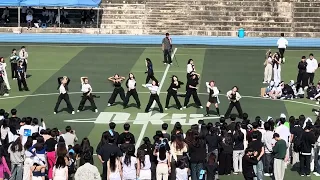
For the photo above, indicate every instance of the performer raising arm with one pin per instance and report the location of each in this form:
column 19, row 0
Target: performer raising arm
column 131, row 85
column 153, row 96
column 234, row 98
column 192, row 88
column 63, row 94
column 172, row 91
column 213, row 97
column 116, row 79
column 87, row 95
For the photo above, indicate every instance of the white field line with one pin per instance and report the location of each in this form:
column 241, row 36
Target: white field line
column 136, row 47
column 144, row 127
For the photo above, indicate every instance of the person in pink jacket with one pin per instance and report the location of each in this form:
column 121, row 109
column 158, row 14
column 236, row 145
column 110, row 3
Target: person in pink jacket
column 4, row 168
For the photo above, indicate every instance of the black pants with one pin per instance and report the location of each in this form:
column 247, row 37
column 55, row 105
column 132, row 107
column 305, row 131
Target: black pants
column 14, row 70
column 238, row 107
column 175, row 97
column 154, row 97
column 85, row 97
column 305, row 164
column 25, row 65
column 151, row 76
column 281, row 51
column 310, row 77
column 167, row 56
column 194, row 95
column 225, row 163
column 132, row 92
column 116, row 91
column 22, row 81
column 302, row 80
column 64, row 97
column 268, row 163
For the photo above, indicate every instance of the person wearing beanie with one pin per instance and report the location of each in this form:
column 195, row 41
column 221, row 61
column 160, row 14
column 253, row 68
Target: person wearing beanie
column 213, row 97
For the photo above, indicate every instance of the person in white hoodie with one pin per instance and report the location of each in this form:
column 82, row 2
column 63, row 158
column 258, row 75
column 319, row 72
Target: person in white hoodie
column 4, row 75
column 312, row 66
column 282, row 46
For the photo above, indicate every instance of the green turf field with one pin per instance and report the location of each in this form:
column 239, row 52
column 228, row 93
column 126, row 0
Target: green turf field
column 228, row 66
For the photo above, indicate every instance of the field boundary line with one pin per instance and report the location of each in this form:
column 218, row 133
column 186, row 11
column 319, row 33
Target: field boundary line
column 109, row 92
column 144, row 127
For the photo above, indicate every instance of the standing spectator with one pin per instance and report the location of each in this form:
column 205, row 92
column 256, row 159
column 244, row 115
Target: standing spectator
column 51, row 153
column 211, row 167
column 39, row 151
column 238, row 149
column 143, row 165
column 317, row 173
column 60, row 170
column 16, row 152
column 163, row 166
column 126, row 131
column 5, row 15
column 29, row 19
column 129, row 162
column 92, row 16
column 70, row 136
column 24, row 14
column 296, row 132
column 114, row 168
column 51, row 16
column 257, row 146
column 178, row 148
column 302, row 78
column 279, row 151
column 282, row 46
column 268, row 142
column 248, row 161
column 83, row 17
column 197, row 152
column 26, row 131
column 86, row 150
column 28, row 162
column 45, row 15
column 166, row 135
column 87, row 171
column 308, row 139
column 225, row 157
column 312, row 66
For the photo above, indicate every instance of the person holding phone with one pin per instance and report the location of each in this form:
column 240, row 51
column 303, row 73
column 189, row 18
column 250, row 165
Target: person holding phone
column 248, row 161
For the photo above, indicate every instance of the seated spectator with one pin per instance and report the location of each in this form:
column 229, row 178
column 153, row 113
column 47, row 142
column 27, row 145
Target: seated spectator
column 50, row 16
column 312, row 91
column 287, row 91
column 29, row 20
column 64, row 19
column 276, row 92
column 83, row 17
column 92, row 16
column 45, row 15
column 5, row 15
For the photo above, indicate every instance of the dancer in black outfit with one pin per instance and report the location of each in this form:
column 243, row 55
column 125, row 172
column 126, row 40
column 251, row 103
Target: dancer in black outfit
column 87, row 95
column 63, row 94
column 131, row 85
column 190, row 69
column 116, row 79
column 213, row 97
column 153, row 96
column 14, row 58
column 22, row 76
column 149, row 72
column 234, row 97
column 193, row 81
column 173, row 91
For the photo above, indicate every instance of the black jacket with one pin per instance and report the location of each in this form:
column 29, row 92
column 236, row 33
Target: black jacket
column 247, row 166
column 308, row 139
column 302, row 66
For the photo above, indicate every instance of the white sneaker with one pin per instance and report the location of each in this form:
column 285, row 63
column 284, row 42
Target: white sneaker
column 284, row 60
column 317, row 102
column 308, row 175
column 96, row 110
column 305, row 88
column 143, row 85
column 6, row 94
column 265, row 82
column 109, row 104
column 312, row 99
column 54, row 112
column 235, row 173
column 200, row 107
column 316, row 174
column 72, row 112
column 267, row 174
column 184, row 107
column 165, row 108
column 180, row 109
column 78, row 110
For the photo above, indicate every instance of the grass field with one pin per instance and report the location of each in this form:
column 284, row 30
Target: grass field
column 228, row 66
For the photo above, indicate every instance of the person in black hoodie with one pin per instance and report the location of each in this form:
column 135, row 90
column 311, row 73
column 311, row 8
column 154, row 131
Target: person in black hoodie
column 248, row 161
column 173, row 91
column 238, row 149
column 192, row 88
column 131, row 85
column 225, row 157
column 197, row 153
column 63, row 94
column 116, row 80
column 302, row 80
column 308, row 139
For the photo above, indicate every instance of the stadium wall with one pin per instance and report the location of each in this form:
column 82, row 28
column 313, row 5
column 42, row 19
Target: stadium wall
column 153, row 39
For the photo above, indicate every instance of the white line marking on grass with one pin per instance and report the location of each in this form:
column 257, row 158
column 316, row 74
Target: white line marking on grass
column 162, row 71
column 43, row 69
column 144, row 127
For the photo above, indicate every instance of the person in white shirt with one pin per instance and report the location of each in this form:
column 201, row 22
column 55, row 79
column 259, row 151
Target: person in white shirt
column 276, row 63
column 118, row 89
column 213, row 97
column 234, row 97
column 86, row 90
column 282, row 46
column 26, row 130
column 4, row 76
column 276, row 92
column 23, row 54
column 29, row 19
column 284, row 131
column 63, row 94
column 312, row 66
column 154, row 87
column 268, row 68
column 131, row 85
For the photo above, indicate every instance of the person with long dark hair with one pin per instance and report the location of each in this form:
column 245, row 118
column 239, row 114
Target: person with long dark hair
column 276, row 64
column 51, row 152
column 86, row 150
column 154, row 87
column 197, row 152
column 16, row 152
column 178, row 149
column 129, row 162
column 173, row 91
column 225, row 158
column 149, row 72
column 190, row 69
column 132, row 91
column 39, row 151
column 60, row 170
column 38, row 171
column 192, row 88
column 118, row 89
column 238, row 149
column 234, row 97
column 114, row 168
column 28, row 162
column 63, row 94
column 213, row 97
column 163, row 166
column 86, row 90
column 211, row 167
column 143, row 165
